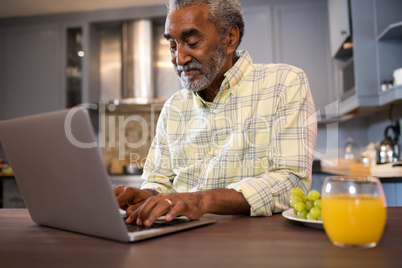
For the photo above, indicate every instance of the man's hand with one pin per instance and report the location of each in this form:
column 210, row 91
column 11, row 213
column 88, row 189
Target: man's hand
column 170, row 205
column 130, row 199
column 191, row 205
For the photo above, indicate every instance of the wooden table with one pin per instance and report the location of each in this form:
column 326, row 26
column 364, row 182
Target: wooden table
column 232, row 242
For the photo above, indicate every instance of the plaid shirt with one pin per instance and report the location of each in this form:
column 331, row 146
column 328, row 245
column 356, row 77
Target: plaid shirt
column 257, row 137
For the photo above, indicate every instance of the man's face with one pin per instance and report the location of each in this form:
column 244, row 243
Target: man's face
column 196, row 49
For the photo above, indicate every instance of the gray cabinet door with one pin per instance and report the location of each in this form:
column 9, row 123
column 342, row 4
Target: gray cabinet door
column 30, row 70
column 339, row 27
column 302, row 40
column 257, row 39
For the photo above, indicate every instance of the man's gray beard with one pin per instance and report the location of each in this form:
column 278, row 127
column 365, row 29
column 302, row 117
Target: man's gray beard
column 211, row 70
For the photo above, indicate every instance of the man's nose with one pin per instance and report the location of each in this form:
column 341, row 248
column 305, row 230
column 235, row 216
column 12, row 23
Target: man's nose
column 181, row 56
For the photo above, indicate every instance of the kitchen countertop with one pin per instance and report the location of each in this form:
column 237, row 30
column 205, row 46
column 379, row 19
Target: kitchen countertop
column 126, row 180
column 353, row 168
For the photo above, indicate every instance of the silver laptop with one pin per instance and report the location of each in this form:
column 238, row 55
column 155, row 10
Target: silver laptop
column 59, row 170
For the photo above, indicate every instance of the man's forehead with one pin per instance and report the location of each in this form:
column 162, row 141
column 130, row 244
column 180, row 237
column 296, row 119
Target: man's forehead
column 185, row 21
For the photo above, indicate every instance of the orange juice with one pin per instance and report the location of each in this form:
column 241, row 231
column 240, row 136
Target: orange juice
column 353, row 219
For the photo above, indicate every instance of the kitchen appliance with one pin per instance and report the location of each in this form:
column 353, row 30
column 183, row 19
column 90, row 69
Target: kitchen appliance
column 347, row 79
column 137, row 62
column 130, row 63
column 388, row 150
column 397, row 77
column 350, row 149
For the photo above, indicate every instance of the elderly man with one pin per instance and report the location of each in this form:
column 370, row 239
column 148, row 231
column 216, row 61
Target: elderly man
column 236, row 139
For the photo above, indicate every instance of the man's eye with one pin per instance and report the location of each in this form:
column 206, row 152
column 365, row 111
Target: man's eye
column 173, row 49
column 193, row 44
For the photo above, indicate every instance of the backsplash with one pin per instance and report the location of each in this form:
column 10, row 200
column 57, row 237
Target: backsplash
column 126, row 135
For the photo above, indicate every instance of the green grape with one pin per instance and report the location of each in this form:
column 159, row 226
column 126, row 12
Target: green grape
column 313, row 195
column 302, row 214
column 299, row 206
column 297, row 192
column 306, row 206
column 319, row 218
column 317, row 203
column 294, row 200
column 310, row 216
column 315, row 212
column 309, row 205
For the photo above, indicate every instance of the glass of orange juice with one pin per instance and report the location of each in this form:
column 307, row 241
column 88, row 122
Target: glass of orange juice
column 353, row 211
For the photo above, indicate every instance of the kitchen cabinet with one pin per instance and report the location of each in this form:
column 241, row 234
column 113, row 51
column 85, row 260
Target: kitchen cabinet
column 302, row 40
column 389, row 46
column 30, row 70
column 376, row 32
column 339, row 24
column 393, row 193
column 10, row 195
column 74, row 57
column 292, row 33
column 258, row 27
column 365, row 62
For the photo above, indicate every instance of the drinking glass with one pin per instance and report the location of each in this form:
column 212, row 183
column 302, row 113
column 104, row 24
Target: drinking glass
column 353, row 211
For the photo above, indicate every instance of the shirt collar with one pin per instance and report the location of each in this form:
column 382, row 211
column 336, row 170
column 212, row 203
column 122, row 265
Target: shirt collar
column 206, row 103
column 239, row 70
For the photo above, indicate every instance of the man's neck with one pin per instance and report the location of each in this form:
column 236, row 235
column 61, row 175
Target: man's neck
column 210, row 93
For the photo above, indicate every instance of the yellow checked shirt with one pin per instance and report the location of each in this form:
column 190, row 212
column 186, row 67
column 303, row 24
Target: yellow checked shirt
column 257, row 137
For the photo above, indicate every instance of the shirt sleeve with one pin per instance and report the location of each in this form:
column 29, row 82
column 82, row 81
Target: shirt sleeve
column 290, row 151
column 158, row 174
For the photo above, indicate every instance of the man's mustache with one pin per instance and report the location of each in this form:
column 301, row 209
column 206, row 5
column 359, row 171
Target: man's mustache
column 191, row 65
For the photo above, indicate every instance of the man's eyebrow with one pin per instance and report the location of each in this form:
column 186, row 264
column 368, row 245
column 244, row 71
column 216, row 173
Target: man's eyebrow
column 183, row 34
column 187, row 32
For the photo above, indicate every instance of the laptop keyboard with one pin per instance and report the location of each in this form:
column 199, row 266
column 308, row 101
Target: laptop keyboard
column 157, row 224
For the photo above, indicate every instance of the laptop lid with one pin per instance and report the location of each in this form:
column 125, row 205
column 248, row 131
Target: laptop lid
column 59, row 170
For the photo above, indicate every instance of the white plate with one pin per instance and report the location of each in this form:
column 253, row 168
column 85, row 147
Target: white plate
column 289, row 214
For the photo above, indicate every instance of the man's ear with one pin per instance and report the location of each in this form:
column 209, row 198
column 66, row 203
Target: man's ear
column 233, row 39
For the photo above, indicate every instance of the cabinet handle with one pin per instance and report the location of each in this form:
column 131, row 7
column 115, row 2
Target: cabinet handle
column 343, row 32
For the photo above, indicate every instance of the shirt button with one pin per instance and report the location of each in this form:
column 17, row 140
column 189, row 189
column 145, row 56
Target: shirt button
column 216, row 151
column 216, row 111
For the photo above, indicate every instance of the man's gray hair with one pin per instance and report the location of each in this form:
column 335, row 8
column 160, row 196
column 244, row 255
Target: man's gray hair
column 224, row 13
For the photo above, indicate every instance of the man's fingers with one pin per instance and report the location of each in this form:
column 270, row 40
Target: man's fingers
column 170, row 205
column 149, row 212
column 176, row 210
column 152, row 209
column 132, row 215
column 118, row 190
column 125, row 196
column 131, row 209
